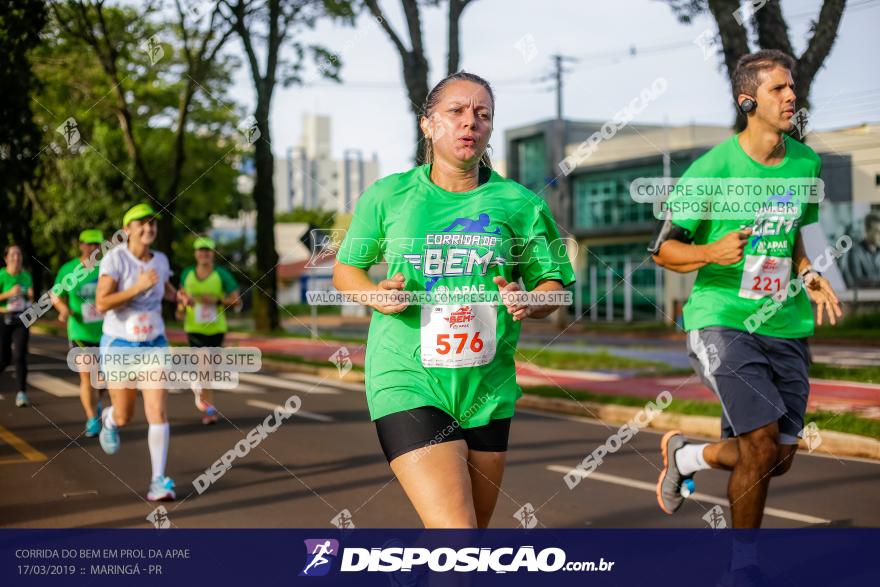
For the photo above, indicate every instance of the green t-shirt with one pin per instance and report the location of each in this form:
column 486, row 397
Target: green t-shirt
column 7, row 282
column 206, row 318
column 458, row 358
column 734, row 296
column 84, row 322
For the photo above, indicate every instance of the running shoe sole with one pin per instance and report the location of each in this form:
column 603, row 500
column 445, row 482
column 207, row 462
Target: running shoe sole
column 664, row 446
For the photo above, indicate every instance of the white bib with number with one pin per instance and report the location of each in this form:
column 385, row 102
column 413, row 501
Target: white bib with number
column 205, row 313
column 90, row 313
column 141, row 326
column 15, row 304
column 455, row 336
column 764, row 276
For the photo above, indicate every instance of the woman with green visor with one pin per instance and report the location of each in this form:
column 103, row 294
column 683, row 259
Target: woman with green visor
column 133, row 280
column 440, row 377
column 212, row 290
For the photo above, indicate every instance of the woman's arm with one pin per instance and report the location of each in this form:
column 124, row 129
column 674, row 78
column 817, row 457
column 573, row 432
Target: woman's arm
column 107, row 298
column 350, row 280
column 171, row 294
column 11, row 292
column 521, row 311
column 544, row 311
column 232, row 298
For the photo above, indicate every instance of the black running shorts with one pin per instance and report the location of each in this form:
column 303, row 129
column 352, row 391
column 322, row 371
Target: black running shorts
column 409, row 430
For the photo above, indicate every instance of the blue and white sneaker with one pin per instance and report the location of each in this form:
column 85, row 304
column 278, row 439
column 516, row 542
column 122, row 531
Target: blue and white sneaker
column 210, row 415
column 161, row 489
column 21, row 400
column 672, row 486
column 109, row 439
column 93, row 427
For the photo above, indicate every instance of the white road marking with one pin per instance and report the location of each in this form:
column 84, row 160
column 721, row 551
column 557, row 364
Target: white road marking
column 240, row 388
column 53, row 385
column 48, row 367
column 285, row 384
column 615, row 427
column 301, row 413
column 652, row 487
column 44, row 353
column 305, row 377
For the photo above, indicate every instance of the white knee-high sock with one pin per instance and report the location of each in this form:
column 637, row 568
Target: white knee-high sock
column 689, row 459
column 158, row 437
column 107, row 417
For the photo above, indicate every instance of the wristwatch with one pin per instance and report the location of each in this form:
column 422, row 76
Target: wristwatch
column 808, row 274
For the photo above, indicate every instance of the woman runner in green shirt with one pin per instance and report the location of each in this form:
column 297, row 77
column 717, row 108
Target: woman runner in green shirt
column 440, row 377
column 16, row 293
column 209, row 287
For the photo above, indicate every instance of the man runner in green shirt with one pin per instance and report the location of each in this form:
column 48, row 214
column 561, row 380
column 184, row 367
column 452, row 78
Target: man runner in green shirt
column 212, row 289
column 749, row 313
column 76, row 284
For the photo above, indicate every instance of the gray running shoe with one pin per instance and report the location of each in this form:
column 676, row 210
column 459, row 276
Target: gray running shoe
column 669, row 485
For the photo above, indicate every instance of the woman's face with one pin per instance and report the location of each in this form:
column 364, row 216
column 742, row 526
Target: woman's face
column 460, row 124
column 14, row 259
column 142, row 231
column 204, row 256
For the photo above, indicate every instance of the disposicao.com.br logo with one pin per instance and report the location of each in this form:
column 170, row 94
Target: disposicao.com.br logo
column 320, row 553
column 444, row 559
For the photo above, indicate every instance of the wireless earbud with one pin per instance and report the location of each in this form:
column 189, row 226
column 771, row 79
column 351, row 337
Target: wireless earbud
column 747, row 105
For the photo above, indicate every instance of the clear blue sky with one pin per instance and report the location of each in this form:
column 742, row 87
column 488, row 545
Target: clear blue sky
column 370, row 109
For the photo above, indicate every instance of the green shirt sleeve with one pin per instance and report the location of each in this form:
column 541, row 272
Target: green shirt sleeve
column 183, row 275
column 544, row 256
column 362, row 246
column 811, row 214
column 683, row 204
column 58, row 286
column 228, row 281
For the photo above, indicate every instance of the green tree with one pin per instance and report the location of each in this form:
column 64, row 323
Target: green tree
column 92, row 181
column 768, row 27
column 153, row 71
column 264, row 28
column 20, row 24
column 413, row 59
column 316, row 218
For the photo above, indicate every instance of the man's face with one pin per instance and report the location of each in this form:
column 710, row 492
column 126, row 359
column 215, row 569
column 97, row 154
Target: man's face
column 86, row 249
column 776, row 98
column 872, row 233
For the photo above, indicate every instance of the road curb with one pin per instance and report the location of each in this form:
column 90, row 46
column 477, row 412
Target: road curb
column 832, row 443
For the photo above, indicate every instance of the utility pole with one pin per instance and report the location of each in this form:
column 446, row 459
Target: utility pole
column 565, row 208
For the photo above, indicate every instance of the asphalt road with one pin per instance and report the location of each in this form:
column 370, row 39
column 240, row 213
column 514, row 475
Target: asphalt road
column 326, row 459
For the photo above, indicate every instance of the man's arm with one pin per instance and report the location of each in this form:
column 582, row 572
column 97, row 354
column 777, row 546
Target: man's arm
column 818, row 288
column 669, row 249
column 61, row 304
